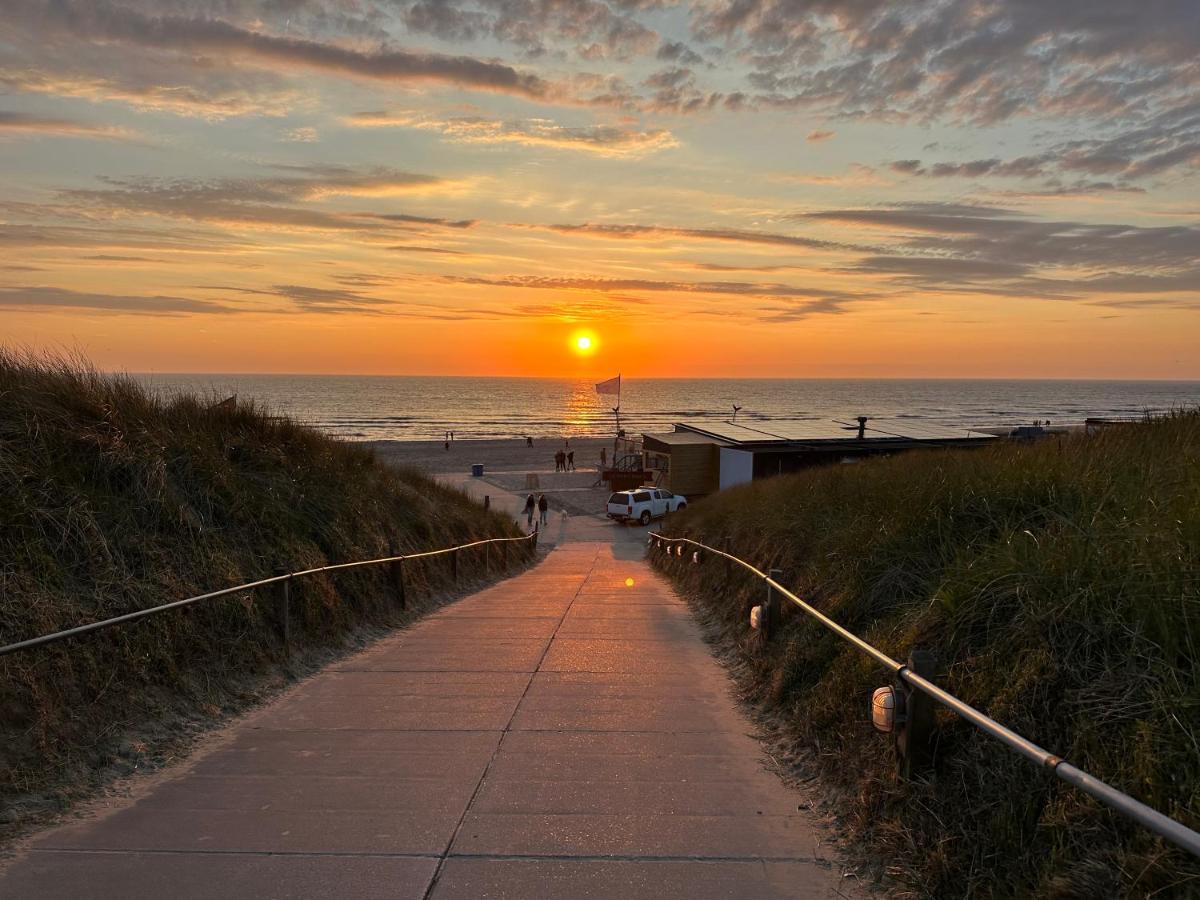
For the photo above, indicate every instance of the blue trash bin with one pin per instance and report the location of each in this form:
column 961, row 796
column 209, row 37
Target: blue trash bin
column 477, row 470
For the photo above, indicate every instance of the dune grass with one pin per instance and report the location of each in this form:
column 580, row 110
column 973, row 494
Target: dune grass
column 113, row 499
column 1058, row 584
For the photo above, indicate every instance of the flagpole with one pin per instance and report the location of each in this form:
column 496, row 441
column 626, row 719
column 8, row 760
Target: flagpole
column 618, row 409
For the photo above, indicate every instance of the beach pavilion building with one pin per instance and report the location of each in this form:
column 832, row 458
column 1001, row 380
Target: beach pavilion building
column 704, row 456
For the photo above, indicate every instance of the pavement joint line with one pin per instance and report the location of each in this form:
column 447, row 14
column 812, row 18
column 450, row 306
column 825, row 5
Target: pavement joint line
column 500, row 743
column 122, row 851
column 369, row 730
column 419, row 671
column 621, row 857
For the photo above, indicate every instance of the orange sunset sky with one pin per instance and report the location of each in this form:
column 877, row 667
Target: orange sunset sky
column 728, row 187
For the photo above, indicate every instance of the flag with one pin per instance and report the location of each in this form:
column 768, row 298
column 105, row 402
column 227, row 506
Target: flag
column 612, row 386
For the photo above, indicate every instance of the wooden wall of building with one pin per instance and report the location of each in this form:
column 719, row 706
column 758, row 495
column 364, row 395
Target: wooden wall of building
column 695, row 470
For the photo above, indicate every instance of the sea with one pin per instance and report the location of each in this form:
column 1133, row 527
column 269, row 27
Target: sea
column 415, row 408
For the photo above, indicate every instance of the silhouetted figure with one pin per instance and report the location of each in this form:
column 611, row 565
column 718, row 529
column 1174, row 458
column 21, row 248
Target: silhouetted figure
column 543, row 508
column 530, row 503
column 528, row 441
column 571, row 461
column 603, row 457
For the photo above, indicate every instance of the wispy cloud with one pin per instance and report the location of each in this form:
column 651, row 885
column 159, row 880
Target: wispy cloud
column 274, row 201
column 22, row 123
column 662, row 232
column 38, row 297
column 603, row 140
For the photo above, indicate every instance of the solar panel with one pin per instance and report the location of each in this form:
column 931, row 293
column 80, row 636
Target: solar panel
column 785, row 430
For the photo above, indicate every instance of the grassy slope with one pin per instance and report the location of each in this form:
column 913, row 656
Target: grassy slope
column 1059, row 585
column 112, row 501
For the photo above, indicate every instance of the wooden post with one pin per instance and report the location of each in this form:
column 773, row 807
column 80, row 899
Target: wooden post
column 504, row 556
column 454, row 565
column 283, row 611
column 914, row 737
column 772, row 611
column 487, row 559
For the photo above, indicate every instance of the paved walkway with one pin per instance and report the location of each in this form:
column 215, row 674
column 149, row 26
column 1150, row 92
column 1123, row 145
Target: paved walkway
column 561, row 734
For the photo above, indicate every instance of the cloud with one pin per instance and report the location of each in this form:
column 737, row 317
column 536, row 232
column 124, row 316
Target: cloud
column 856, row 175
column 415, row 248
column 1130, row 69
column 660, row 232
column 679, row 52
column 314, row 299
column 304, row 135
column 591, row 29
column 406, row 219
column 789, row 302
column 47, row 298
column 990, row 250
column 22, row 123
column 108, row 235
column 815, row 137
column 103, row 22
column 603, row 140
column 181, row 90
column 269, row 202
column 611, row 285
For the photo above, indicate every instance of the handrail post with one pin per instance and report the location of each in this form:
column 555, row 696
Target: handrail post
column 283, row 610
column 772, row 609
column 914, row 736
column 454, row 565
column 487, row 558
column 534, row 540
column 504, row 556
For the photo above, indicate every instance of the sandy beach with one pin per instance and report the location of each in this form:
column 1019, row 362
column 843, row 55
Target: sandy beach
column 509, row 466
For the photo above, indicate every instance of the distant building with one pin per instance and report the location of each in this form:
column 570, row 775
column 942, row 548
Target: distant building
column 702, row 457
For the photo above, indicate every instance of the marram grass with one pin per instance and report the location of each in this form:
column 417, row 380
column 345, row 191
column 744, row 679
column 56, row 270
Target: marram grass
column 113, row 500
column 1058, row 584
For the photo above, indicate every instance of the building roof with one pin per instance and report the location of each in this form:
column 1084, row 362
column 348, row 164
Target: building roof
column 782, row 432
column 677, row 438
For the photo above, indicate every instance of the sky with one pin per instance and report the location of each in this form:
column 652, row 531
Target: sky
column 774, row 188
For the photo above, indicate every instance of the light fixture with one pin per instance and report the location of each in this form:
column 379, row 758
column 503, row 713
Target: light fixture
column 887, row 709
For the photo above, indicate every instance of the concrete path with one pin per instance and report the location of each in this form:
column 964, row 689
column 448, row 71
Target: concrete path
column 563, row 734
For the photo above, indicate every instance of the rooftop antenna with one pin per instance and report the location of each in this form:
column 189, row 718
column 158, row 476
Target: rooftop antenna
column 735, row 412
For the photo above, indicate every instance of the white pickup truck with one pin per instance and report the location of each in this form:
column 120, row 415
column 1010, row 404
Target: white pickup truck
column 643, row 504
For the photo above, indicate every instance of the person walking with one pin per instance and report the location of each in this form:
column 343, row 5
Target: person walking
column 603, row 457
column 530, row 503
column 571, row 461
column 543, row 509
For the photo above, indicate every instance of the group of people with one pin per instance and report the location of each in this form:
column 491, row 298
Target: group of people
column 541, row 505
column 564, row 461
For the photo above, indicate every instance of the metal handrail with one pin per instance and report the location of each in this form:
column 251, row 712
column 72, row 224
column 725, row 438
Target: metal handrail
column 56, row 636
column 1176, row 832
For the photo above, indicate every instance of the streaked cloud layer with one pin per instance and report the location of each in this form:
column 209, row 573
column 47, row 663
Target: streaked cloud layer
column 821, row 188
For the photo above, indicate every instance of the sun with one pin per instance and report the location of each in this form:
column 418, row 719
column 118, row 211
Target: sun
column 583, row 343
